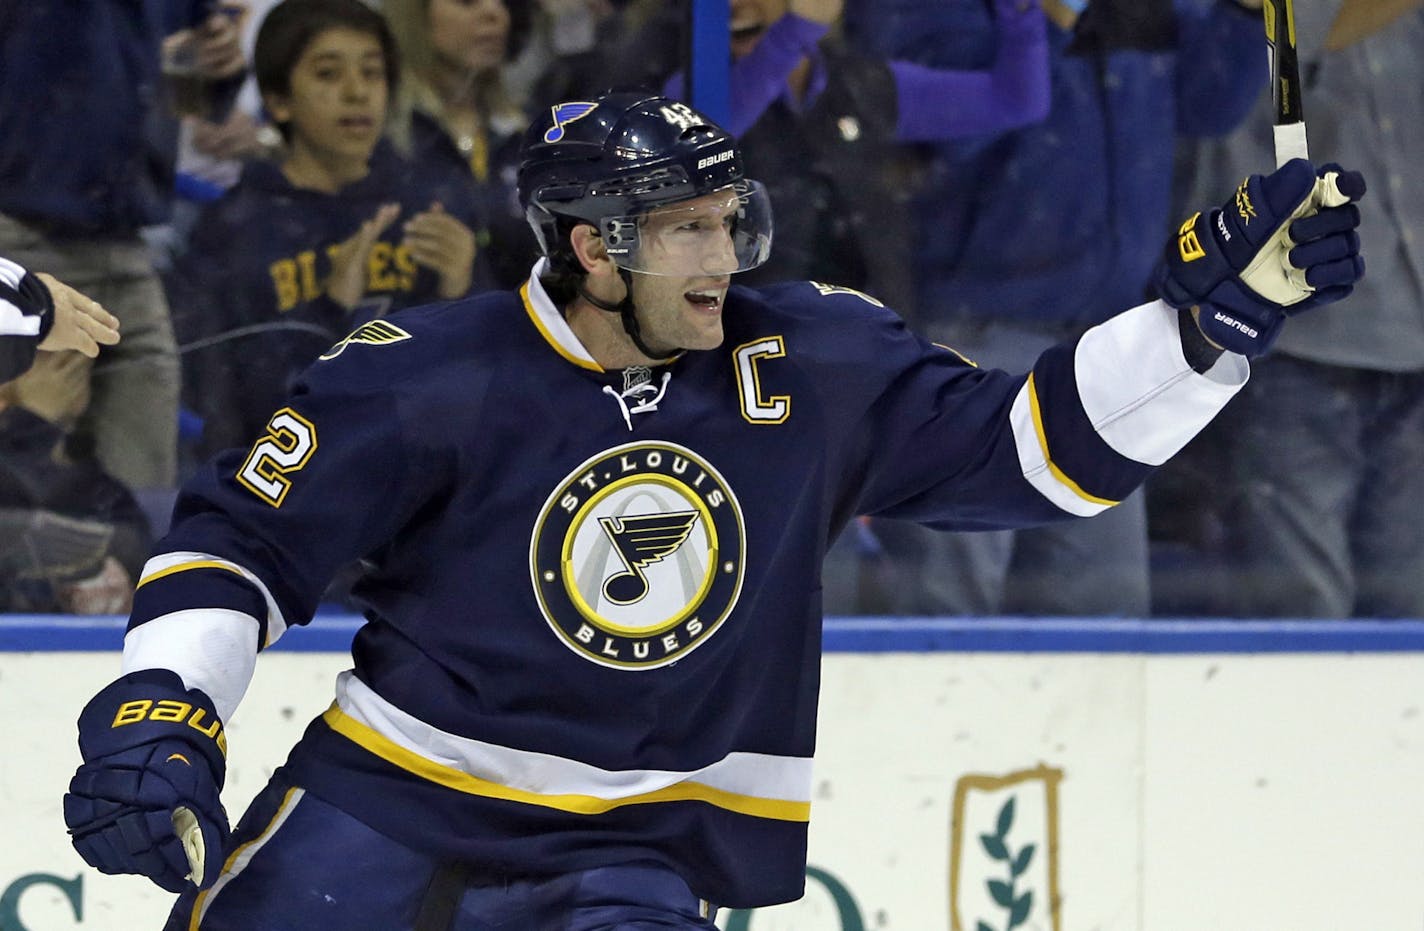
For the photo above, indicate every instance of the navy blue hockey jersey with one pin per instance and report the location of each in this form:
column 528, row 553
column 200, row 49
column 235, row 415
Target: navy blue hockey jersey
column 593, row 597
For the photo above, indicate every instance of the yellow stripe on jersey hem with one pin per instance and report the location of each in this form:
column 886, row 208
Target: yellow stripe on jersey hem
column 1058, row 473
column 184, row 567
column 549, row 337
column 388, row 750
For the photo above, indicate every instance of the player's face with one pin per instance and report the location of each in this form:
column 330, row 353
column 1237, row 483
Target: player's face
column 686, row 312
column 337, row 105
column 469, row 35
column 750, row 19
column 678, row 313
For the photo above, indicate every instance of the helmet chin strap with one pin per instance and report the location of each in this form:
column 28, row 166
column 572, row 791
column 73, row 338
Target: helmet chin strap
column 624, row 309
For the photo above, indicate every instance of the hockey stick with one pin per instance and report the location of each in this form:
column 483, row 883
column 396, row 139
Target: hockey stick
column 1288, row 117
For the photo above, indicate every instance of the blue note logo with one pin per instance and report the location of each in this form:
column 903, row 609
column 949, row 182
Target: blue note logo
column 564, row 114
column 640, row 541
column 637, row 556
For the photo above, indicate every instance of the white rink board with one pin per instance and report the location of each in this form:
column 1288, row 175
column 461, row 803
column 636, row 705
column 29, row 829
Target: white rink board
column 1162, row 792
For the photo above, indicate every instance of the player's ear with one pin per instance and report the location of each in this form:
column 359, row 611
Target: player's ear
column 589, row 250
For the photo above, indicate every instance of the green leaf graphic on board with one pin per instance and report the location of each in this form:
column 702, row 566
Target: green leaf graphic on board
column 994, row 846
column 1004, row 893
column 1019, row 914
column 1022, row 860
column 1006, row 817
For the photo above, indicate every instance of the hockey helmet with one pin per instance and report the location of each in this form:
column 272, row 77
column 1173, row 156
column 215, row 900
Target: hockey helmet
column 662, row 184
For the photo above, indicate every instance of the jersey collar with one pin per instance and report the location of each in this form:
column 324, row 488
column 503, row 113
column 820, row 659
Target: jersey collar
column 551, row 324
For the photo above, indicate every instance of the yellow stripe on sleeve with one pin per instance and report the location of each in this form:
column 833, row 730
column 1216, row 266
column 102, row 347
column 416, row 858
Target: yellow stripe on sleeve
column 184, row 567
column 1058, row 473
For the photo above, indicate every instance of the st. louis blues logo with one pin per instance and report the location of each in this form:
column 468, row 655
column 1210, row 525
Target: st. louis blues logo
column 564, row 114
column 637, row 556
column 641, row 541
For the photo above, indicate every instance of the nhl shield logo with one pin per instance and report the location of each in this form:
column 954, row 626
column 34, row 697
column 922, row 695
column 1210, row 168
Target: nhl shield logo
column 636, row 376
column 637, row 556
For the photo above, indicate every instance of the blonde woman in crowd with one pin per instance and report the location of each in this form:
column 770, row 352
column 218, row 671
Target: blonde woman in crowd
column 454, row 114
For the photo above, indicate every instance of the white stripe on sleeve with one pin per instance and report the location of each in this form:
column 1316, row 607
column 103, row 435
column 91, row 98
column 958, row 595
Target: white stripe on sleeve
column 1041, row 473
column 1138, row 390
column 212, row 649
column 15, row 322
column 168, row 563
column 11, row 273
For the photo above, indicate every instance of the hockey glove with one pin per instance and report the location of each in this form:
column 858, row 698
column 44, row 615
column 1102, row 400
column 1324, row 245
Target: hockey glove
column 146, row 798
column 1285, row 243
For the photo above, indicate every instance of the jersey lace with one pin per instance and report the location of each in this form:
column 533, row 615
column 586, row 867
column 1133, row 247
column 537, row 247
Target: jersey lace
column 638, row 394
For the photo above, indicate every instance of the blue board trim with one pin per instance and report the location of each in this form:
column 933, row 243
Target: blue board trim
column 1112, row 635
column 332, row 633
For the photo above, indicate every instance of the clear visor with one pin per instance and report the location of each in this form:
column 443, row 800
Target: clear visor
column 720, row 233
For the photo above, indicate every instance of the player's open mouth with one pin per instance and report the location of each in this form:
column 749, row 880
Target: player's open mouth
column 705, row 300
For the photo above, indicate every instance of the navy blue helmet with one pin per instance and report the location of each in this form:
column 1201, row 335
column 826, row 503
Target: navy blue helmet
column 614, row 160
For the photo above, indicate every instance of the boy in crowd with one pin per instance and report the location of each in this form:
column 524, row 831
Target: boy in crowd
column 336, row 233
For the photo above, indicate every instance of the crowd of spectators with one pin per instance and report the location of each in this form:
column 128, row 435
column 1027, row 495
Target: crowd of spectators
column 1089, row 180
column 259, row 178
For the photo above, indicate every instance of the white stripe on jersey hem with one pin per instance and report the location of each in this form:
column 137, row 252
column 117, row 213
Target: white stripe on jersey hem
column 15, row 322
column 754, row 775
column 242, row 856
column 1151, row 403
column 167, row 563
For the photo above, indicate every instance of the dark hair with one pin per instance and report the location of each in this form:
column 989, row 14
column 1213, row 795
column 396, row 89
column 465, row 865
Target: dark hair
column 290, row 27
column 564, row 274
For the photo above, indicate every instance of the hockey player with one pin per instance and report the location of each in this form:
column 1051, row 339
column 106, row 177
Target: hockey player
column 593, row 514
column 42, row 312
